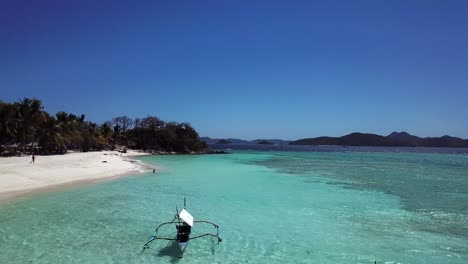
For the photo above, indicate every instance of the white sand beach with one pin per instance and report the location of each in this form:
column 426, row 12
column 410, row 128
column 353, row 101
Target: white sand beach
column 18, row 176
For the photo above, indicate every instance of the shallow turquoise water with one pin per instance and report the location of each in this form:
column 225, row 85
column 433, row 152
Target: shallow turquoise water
column 273, row 207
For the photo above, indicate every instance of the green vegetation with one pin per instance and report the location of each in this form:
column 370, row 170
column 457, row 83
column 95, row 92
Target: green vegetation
column 24, row 126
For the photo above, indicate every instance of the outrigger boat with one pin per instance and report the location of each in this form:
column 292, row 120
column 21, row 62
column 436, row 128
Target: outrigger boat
column 183, row 222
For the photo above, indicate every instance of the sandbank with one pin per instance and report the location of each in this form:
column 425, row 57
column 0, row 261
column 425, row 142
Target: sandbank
column 19, row 177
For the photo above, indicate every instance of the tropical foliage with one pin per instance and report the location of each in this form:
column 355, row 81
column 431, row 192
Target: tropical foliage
column 26, row 126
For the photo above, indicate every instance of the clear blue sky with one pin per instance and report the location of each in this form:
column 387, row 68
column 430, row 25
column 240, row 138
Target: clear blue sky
column 245, row 69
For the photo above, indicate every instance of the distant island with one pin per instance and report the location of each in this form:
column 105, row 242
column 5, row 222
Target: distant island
column 223, row 141
column 236, row 141
column 264, row 142
column 25, row 127
column 395, row 139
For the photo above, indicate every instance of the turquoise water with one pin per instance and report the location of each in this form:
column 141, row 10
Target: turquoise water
column 273, row 207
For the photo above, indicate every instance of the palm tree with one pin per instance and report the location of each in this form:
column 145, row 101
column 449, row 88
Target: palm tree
column 30, row 115
column 50, row 140
column 68, row 126
column 25, row 121
column 8, row 123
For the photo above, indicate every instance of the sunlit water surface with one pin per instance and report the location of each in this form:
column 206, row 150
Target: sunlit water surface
column 273, row 207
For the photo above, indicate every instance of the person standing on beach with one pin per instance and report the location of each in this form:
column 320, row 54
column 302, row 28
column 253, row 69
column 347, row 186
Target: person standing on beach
column 33, row 158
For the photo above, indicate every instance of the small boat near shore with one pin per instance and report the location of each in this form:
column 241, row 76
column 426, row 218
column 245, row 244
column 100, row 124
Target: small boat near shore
column 183, row 222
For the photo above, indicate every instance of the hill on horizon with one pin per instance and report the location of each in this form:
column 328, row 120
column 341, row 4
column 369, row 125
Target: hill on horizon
column 236, row 141
column 394, row 139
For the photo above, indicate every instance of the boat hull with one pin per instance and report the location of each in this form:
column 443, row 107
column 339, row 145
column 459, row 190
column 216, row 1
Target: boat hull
column 182, row 246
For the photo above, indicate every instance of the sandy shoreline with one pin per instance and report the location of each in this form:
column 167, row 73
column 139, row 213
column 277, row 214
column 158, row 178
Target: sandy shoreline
column 18, row 177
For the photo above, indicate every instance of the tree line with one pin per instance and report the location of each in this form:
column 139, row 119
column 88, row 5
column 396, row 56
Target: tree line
column 24, row 125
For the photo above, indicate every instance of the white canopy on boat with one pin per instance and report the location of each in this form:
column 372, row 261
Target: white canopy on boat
column 186, row 217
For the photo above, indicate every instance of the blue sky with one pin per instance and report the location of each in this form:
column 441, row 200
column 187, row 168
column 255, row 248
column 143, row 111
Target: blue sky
column 245, row 69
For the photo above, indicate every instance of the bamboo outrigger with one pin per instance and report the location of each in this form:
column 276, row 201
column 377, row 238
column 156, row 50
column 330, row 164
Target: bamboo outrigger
column 183, row 222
